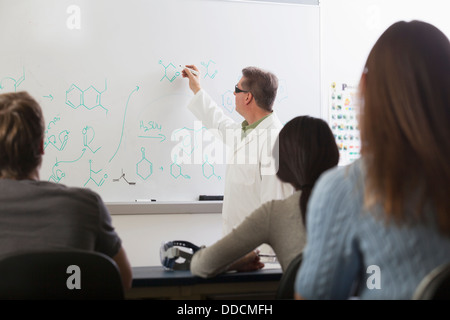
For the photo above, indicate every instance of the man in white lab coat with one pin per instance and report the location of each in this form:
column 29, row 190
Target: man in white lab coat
column 250, row 178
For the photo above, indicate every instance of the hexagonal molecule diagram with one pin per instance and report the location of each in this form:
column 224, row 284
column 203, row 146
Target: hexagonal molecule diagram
column 170, row 72
column 175, row 170
column 211, row 69
column 144, row 168
column 89, row 98
column 189, row 138
column 208, row 170
column 228, row 101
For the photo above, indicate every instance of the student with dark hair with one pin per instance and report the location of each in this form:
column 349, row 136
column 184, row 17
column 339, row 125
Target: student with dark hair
column 379, row 225
column 306, row 149
column 38, row 214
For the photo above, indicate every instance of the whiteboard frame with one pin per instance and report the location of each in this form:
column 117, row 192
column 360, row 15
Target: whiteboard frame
column 291, row 2
column 175, row 207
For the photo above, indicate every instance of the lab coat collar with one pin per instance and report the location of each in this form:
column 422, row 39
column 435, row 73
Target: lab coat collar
column 270, row 122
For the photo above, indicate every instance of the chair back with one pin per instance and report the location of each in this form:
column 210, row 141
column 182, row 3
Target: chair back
column 63, row 275
column 435, row 285
column 286, row 287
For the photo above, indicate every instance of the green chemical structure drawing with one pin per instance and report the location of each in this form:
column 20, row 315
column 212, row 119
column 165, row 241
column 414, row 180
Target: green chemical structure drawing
column 170, row 72
column 208, row 170
column 63, row 136
column 88, row 136
column 211, row 69
column 125, row 179
column 59, row 143
column 228, row 101
column 57, row 173
column 91, row 172
column 189, row 138
column 175, row 170
column 90, row 98
column 7, row 83
column 144, row 168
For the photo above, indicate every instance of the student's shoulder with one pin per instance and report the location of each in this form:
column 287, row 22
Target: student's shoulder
column 283, row 206
column 340, row 179
column 74, row 192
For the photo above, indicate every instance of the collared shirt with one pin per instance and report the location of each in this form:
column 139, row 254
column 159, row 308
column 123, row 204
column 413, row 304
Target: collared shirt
column 246, row 128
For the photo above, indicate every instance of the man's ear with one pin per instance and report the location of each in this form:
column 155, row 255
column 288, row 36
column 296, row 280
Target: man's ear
column 248, row 98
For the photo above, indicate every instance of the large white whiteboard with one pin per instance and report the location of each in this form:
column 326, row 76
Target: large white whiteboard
column 115, row 106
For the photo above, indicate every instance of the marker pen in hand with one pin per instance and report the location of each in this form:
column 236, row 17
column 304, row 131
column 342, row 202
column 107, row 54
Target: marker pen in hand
column 190, row 69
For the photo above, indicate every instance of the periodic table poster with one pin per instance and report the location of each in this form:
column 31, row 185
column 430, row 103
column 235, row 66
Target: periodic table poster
column 343, row 121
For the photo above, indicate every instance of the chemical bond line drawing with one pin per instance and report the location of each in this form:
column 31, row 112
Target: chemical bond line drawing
column 175, row 170
column 57, row 173
column 89, row 98
column 15, row 82
column 102, row 180
column 123, row 177
column 211, row 69
column 144, row 168
column 228, row 101
column 208, row 170
column 170, row 72
column 59, row 145
column 88, row 136
column 63, row 136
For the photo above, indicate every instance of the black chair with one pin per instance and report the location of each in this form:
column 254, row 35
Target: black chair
column 286, row 287
column 62, row 275
column 435, row 285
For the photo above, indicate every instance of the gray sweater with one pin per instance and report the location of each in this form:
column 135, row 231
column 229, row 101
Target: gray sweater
column 277, row 223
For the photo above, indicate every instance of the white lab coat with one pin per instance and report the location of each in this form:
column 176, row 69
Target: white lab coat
column 250, row 178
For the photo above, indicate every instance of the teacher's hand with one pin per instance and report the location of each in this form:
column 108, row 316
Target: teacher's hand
column 194, row 81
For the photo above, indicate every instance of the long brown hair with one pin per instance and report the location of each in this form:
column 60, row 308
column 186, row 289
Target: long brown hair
column 306, row 149
column 21, row 134
column 405, row 122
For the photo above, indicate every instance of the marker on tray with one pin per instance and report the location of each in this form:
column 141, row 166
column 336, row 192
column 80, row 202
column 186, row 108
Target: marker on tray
column 210, row 198
column 145, row 200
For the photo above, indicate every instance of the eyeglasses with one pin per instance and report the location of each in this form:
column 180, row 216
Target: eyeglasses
column 237, row 90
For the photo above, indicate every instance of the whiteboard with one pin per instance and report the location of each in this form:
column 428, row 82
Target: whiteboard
column 115, row 105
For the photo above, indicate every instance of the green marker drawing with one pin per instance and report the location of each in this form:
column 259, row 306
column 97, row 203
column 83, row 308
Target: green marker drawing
column 49, row 96
column 89, row 98
column 100, row 183
column 59, row 174
column 175, row 170
column 86, row 140
column 17, row 82
column 144, row 168
column 207, row 166
column 123, row 123
column 62, row 141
